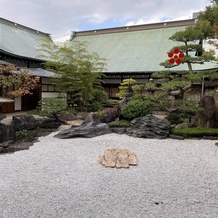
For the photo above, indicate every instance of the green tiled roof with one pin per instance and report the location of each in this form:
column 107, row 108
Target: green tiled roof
column 141, row 50
column 20, row 40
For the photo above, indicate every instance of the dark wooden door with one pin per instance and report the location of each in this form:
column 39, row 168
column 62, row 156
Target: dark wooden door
column 30, row 102
column 8, row 108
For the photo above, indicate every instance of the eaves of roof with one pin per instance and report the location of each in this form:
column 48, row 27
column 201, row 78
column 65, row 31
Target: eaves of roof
column 34, row 71
column 4, row 54
column 38, row 72
column 42, row 72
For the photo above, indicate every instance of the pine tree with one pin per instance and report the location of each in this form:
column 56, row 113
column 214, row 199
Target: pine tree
column 177, row 85
column 190, row 44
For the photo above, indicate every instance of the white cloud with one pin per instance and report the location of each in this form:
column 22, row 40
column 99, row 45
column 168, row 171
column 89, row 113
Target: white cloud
column 155, row 20
column 62, row 39
column 61, row 17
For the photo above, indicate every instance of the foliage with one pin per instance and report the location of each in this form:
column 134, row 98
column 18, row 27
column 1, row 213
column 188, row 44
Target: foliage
column 190, row 43
column 119, row 123
column 194, row 132
column 50, row 107
column 23, row 81
column 113, row 102
column 72, row 110
column 79, row 72
column 150, row 87
column 210, row 14
column 124, row 86
column 138, row 106
column 100, row 97
column 95, row 106
column 176, row 86
column 25, row 135
column 174, row 118
column 214, row 1
column 187, row 106
column 101, row 114
column 162, row 101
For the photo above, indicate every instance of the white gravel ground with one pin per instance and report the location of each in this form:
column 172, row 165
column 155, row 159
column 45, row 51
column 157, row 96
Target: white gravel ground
column 61, row 178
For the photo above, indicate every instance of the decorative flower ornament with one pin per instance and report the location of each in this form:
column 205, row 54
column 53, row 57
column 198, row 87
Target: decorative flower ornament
column 176, row 56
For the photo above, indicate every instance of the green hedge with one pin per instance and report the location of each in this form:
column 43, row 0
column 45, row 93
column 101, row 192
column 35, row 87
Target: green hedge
column 195, row 132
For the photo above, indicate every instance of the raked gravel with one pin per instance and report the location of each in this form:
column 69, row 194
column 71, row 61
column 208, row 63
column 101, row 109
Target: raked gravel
column 61, row 178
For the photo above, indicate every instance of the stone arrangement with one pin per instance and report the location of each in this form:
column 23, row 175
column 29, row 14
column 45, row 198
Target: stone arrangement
column 149, row 127
column 117, row 157
column 91, row 127
column 142, row 127
column 3, row 146
column 208, row 117
column 10, row 147
column 129, row 94
column 23, row 124
column 88, row 130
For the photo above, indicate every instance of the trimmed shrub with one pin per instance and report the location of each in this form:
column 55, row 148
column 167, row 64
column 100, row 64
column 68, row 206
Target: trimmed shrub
column 136, row 107
column 195, row 132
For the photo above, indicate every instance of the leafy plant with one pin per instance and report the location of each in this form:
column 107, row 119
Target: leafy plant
column 79, row 72
column 23, row 81
column 100, row 97
column 25, row 135
column 14, row 82
column 50, row 107
column 96, row 106
column 138, row 106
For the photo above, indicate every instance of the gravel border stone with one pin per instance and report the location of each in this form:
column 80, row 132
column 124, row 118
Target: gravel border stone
column 62, row 178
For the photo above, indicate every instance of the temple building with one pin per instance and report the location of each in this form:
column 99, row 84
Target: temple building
column 130, row 52
column 137, row 51
column 20, row 46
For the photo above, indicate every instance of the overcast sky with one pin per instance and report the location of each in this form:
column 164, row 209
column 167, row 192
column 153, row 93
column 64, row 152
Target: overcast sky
column 60, row 17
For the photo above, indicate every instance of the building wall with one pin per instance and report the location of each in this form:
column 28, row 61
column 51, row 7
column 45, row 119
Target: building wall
column 50, row 94
column 17, row 104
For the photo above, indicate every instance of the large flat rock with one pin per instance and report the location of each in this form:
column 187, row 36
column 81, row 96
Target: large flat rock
column 87, row 130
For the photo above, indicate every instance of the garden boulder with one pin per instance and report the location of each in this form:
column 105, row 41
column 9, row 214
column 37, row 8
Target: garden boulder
column 149, row 127
column 208, row 117
column 87, row 130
